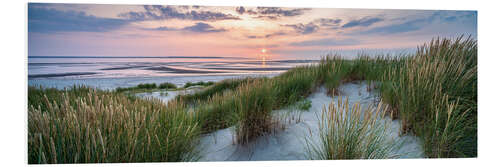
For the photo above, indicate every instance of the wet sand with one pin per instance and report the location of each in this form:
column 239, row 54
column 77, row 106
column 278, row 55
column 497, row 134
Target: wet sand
column 180, row 71
column 60, row 75
column 122, row 68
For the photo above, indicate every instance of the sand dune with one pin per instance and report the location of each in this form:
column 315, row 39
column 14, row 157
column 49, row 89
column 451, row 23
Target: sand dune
column 290, row 143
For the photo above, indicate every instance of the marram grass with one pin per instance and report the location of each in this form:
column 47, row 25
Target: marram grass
column 353, row 133
column 433, row 92
column 254, row 104
column 435, row 95
column 84, row 125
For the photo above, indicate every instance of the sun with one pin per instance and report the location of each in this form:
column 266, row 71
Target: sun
column 263, row 50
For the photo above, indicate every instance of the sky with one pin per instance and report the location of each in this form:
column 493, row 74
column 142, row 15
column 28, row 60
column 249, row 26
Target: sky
column 239, row 31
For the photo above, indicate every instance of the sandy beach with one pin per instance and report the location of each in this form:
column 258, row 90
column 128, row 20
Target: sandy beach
column 300, row 127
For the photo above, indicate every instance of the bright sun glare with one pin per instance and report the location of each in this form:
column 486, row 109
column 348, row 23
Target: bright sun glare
column 263, row 50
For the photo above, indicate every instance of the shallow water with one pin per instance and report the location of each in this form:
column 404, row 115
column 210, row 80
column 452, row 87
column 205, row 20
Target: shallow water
column 109, row 73
column 166, row 96
column 112, row 83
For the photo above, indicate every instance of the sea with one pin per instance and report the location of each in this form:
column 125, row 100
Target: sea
column 112, row 72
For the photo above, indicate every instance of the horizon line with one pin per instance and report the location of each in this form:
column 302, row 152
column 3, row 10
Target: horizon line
column 191, row 57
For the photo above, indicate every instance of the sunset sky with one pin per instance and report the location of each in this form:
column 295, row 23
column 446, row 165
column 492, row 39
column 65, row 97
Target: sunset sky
column 284, row 33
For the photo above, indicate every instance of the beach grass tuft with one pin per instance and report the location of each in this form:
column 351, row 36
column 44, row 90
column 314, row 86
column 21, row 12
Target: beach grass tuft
column 304, row 104
column 216, row 88
column 353, row 133
column 200, row 83
column 435, row 94
column 254, row 104
column 167, row 85
column 146, row 87
column 84, row 125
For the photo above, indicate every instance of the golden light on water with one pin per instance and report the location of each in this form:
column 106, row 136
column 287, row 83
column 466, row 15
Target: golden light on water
column 263, row 61
column 264, row 56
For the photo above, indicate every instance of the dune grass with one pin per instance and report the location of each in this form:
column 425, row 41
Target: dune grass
column 294, row 85
column 248, row 106
column 84, row 125
column 216, row 88
column 146, row 87
column 353, row 133
column 219, row 105
column 433, row 92
column 304, row 104
column 201, row 83
column 435, row 95
column 254, row 103
column 167, row 85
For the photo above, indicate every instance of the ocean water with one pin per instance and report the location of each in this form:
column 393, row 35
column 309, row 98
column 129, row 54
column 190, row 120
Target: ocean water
column 112, row 72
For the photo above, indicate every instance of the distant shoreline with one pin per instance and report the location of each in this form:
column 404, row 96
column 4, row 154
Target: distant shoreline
column 137, row 57
column 60, row 75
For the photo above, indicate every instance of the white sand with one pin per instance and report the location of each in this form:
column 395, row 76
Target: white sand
column 290, row 144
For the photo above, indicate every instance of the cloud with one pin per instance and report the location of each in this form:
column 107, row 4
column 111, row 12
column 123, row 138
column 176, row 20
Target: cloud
column 326, row 22
column 280, row 11
column 304, row 28
column 315, row 25
column 162, row 28
column 454, row 16
column 271, row 13
column 408, row 26
column 326, row 42
column 240, row 9
column 268, row 46
column 267, row 17
column 45, row 20
column 418, row 23
column 158, row 12
column 197, row 28
column 364, row 22
column 267, row 35
column 202, row 27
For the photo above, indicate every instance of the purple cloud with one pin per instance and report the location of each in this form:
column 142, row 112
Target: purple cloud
column 158, row 12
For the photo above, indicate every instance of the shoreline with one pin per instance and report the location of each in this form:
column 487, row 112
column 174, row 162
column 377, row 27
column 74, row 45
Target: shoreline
column 35, row 76
column 107, row 83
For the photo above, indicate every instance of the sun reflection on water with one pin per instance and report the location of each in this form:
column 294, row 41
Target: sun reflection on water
column 264, row 55
column 263, row 61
